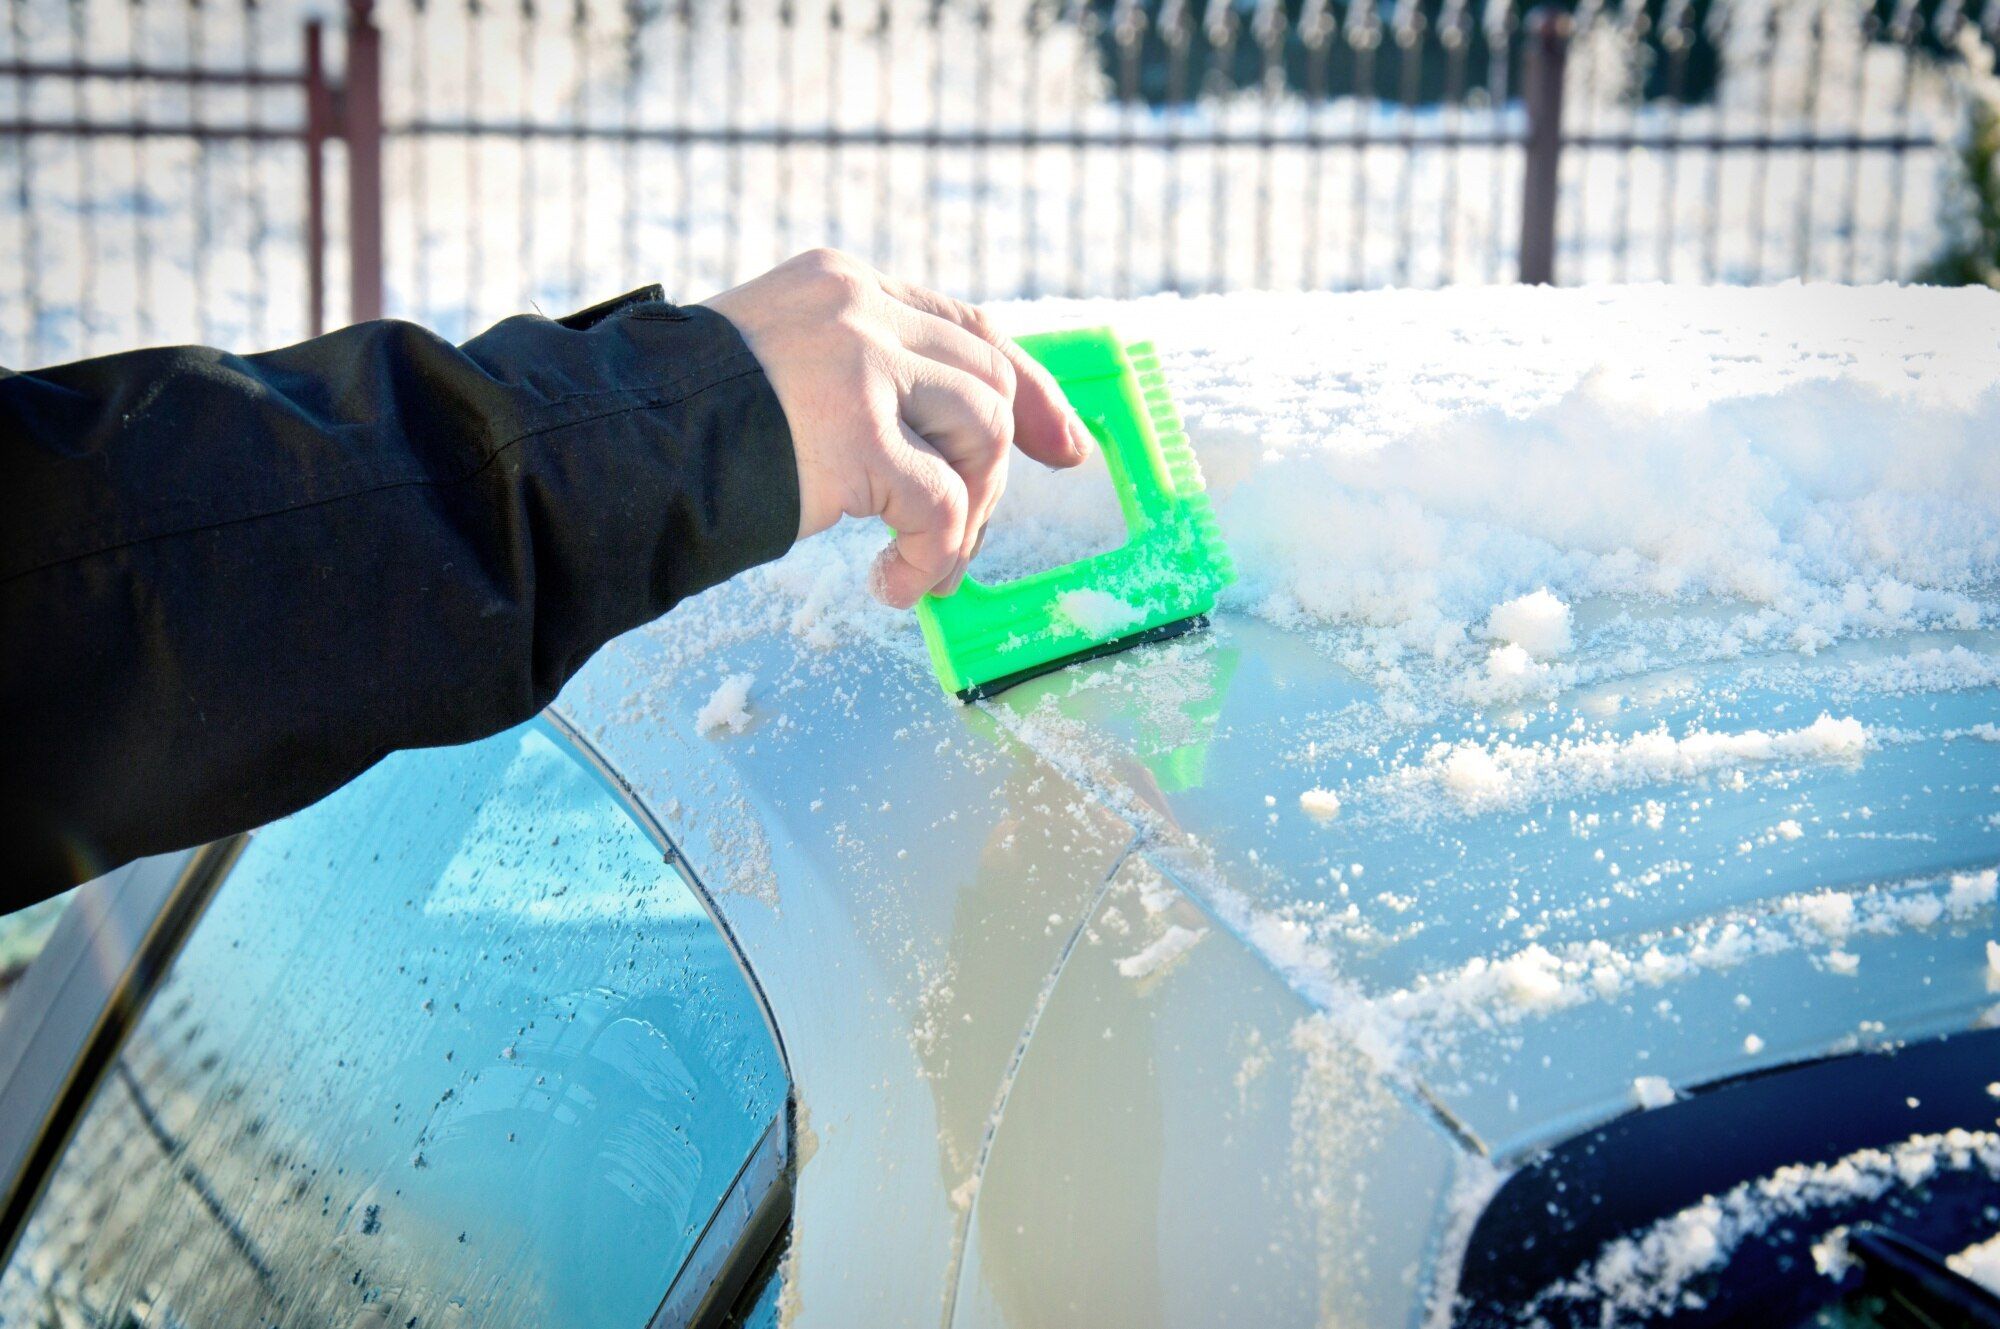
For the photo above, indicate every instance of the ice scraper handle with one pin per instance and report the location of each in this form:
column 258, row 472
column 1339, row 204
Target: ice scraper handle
column 1159, row 582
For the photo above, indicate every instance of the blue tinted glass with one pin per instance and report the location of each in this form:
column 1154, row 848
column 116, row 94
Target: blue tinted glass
column 454, row 1047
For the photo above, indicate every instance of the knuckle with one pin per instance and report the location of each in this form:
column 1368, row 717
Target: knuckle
column 839, row 277
column 953, row 502
column 1004, row 376
column 974, row 320
column 822, row 259
column 996, row 421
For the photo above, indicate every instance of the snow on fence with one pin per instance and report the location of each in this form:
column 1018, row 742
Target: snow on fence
column 244, row 171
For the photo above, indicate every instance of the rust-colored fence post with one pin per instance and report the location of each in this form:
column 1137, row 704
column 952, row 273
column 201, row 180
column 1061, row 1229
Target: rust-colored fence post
column 319, row 127
column 361, row 126
column 1547, row 52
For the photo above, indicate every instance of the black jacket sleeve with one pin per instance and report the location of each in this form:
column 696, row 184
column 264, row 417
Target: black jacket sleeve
column 229, row 584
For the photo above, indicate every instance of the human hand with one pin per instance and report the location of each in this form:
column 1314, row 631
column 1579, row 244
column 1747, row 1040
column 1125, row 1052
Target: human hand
column 903, row 404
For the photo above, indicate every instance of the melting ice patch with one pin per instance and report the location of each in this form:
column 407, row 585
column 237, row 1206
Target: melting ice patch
column 1169, row 946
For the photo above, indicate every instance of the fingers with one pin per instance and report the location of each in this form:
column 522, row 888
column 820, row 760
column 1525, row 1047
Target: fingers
column 971, row 426
column 1044, row 425
column 924, row 502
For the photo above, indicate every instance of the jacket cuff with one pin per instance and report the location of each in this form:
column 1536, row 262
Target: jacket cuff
column 715, row 415
column 756, row 472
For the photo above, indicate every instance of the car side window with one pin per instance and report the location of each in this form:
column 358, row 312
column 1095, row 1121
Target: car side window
column 454, row 1047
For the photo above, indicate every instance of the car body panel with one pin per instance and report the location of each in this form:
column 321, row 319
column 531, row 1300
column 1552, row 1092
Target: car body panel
column 903, row 881
column 1406, row 889
column 1185, row 1146
column 895, row 864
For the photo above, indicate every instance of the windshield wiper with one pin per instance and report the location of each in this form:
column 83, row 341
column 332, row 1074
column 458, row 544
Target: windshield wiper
column 1918, row 1289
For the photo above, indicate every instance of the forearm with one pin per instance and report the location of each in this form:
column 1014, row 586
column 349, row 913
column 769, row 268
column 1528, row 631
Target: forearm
column 228, row 585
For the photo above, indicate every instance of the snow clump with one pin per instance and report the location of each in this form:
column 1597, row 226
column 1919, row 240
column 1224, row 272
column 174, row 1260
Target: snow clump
column 1099, row 613
column 1537, row 623
column 1652, row 1091
column 1320, row 804
column 727, row 707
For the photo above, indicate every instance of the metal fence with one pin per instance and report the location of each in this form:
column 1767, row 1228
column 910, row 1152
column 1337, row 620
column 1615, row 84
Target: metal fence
column 191, row 168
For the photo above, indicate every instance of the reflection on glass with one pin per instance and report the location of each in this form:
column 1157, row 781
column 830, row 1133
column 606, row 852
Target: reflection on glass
column 453, row 1047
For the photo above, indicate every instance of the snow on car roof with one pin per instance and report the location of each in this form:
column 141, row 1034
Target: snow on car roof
column 1610, row 694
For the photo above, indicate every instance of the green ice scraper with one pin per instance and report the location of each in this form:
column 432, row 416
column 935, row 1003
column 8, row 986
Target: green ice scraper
column 1161, row 582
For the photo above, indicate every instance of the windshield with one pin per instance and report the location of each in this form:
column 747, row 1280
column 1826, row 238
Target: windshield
column 1837, row 1192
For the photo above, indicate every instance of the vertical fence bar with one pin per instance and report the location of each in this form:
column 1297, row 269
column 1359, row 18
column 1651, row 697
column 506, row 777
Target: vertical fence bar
column 1128, row 27
column 1584, row 24
column 319, row 125
column 1084, row 16
column 1677, row 40
column 684, row 157
column 1802, row 223
column 1542, row 90
column 1452, row 36
column 1037, row 20
column 1176, row 29
column 1498, row 24
column 418, row 154
column 194, row 32
column 933, row 166
column 472, row 94
column 732, row 112
column 253, row 190
column 83, row 322
column 785, row 118
column 1760, row 168
column 1267, row 29
column 579, row 150
column 1636, row 25
column 882, row 34
column 1316, row 27
column 1364, row 33
column 527, row 153
column 361, row 117
column 1869, row 29
column 1220, row 25
column 831, row 230
column 1904, row 29
column 636, row 22
column 982, row 182
column 1717, row 29
column 142, row 235
column 1407, row 30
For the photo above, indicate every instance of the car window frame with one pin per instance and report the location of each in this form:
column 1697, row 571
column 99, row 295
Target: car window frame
column 79, row 1001
column 77, row 1004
